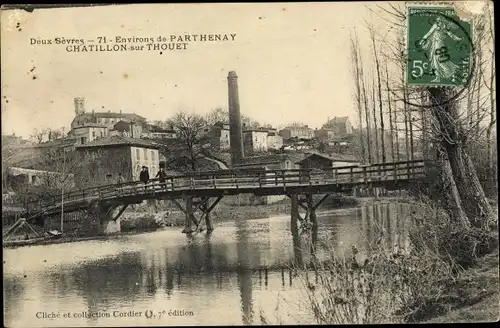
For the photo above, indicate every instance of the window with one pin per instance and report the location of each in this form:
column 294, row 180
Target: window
column 102, row 134
column 83, row 139
column 93, row 134
column 146, row 154
column 137, row 154
column 153, row 155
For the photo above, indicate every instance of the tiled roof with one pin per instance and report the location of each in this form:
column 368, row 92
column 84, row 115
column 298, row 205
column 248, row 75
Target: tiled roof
column 90, row 124
column 113, row 115
column 119, row 141
column 119, row 115
column 332, row 157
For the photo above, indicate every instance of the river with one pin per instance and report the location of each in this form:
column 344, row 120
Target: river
column 233, row 277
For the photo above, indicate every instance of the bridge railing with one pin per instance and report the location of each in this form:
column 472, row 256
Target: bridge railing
column 353, row 174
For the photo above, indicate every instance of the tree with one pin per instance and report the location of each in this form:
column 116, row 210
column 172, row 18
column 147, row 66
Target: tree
column 451, row 130
column 53, row 134
column 38, row 135
column 379, row 91
column 357, row 92
column 192, row 145
column 220, row 114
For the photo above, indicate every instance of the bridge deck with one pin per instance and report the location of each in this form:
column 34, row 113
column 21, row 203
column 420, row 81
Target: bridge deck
column 228, row 182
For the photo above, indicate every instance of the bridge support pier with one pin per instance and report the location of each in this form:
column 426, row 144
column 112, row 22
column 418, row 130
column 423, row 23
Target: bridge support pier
column 191, row 207
column 310, row 219
column 108, row 217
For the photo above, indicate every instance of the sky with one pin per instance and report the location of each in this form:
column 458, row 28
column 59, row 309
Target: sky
column 292, row 60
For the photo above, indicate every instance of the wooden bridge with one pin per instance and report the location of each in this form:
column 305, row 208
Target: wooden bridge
column 217, row 184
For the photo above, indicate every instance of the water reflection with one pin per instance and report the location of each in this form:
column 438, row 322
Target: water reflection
column 224, row 278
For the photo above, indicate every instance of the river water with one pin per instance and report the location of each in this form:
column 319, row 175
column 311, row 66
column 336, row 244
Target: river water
column 236, row 276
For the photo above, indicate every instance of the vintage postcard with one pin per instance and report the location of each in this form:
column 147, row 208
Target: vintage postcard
column 249, row 164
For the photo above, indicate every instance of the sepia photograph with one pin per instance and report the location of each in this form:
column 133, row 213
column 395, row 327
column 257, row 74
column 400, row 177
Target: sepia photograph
column 249, row 164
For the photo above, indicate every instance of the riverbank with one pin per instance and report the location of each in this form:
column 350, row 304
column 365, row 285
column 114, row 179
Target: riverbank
column 476, row 297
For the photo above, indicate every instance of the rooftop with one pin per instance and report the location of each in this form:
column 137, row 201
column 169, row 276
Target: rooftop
column 297, row 127
column 256, row 130
column 131, row 116
column 332, row 157
column 118, row 140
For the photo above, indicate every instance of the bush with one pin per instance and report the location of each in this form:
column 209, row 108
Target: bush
column 389, row 286
column 146, row 222
column 434, row 230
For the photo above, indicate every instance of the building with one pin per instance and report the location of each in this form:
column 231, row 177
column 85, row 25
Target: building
column 88, row 132
column 341, row 126
column 89, row 126
column 117, row 154
column 255, row 140
column 274, row 140
column 299, row 132
column 324, row 134
column 151, row 131
column 218, row 135
column 39, row 177
column 126, row 129
column 326, row 163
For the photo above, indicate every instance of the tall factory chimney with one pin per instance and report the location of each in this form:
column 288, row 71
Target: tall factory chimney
column 235, row 133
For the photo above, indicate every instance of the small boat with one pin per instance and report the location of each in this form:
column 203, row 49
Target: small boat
column 54, row 234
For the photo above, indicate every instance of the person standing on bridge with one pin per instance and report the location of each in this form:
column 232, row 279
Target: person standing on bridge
column 144, row 176
column 161, row 175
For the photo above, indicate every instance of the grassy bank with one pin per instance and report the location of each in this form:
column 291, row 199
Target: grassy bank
column 476, row 297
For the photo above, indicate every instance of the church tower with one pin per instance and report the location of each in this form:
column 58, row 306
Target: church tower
column 79, row 105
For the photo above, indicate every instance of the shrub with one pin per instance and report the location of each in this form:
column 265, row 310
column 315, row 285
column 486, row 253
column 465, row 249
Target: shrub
column 389, row 286
column 435, row 231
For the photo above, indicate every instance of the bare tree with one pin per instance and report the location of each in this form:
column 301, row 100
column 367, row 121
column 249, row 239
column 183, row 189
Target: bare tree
column 379, row 90
column 389, row 105
column 449, row 133
column 375, row 126
column 38, row 135
column 191, row 145
column 366, row 110
column 357, row 91
column 218, row 114
column 53, row 134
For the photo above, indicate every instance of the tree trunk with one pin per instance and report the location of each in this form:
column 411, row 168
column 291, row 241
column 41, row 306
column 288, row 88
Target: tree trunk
column 452, row 135
column 391, row 126
column 379, row 89
column 357, row 73
column 375, row 127
column 367, row 115
column 410, row 123
column 453, row 202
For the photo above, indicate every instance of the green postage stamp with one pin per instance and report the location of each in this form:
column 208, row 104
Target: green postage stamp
column 439, row 47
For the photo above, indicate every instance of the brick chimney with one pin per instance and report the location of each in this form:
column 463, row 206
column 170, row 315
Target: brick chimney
column 235, row 133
